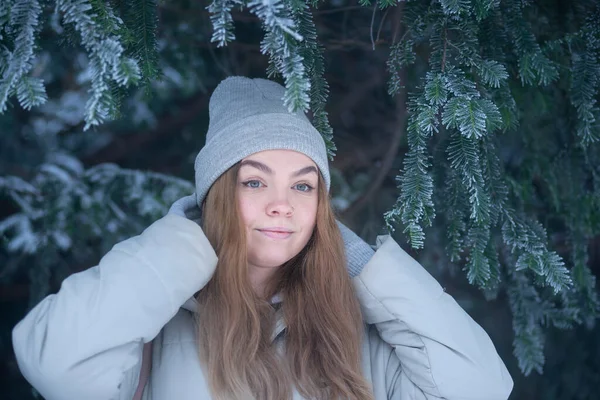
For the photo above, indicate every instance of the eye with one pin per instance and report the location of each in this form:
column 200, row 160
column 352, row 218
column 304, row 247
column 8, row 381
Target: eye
column 304, row 187
column 252, row 184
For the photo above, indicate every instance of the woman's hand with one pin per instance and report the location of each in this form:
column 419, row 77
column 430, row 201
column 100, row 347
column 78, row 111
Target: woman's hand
column 358, row 252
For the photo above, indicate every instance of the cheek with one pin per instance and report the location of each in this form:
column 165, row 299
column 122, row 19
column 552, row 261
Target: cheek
column 308, row 216
column 248, row 211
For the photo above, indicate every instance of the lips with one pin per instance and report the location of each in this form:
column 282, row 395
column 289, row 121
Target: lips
column 276, row 233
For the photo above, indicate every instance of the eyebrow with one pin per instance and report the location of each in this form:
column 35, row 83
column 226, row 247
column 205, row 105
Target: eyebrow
column 267, row 170
column 305, row 170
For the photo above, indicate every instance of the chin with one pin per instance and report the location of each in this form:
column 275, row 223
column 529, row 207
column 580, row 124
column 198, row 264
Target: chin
column 269, row 260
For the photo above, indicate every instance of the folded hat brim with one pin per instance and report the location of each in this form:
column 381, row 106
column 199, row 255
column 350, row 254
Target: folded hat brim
column 274, row 131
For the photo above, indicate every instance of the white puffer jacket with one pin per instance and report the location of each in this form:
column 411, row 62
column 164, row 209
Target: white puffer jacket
column 85, row 342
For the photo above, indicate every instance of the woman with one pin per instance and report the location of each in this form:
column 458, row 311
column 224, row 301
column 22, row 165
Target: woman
column 265, row 297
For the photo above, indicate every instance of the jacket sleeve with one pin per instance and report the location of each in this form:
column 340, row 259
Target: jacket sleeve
column 85, row 342
column 443, row 352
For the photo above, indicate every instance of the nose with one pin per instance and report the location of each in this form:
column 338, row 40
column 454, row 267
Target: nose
column 280, row 208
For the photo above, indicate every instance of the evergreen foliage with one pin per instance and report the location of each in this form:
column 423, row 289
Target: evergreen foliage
column 20, row 22
column 502, row 132
column 220, row 16
column 65, row 206
column 141, row 21
column 98, row 30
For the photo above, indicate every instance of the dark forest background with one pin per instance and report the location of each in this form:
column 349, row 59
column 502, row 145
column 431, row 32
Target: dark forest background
column 468, row 127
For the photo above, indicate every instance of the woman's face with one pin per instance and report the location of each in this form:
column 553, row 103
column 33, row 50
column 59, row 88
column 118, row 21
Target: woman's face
column 277, row 195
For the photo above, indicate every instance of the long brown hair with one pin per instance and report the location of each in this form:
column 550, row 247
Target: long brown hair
column 324, row 323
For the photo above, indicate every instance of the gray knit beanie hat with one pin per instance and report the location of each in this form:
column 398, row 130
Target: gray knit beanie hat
column 247, row 116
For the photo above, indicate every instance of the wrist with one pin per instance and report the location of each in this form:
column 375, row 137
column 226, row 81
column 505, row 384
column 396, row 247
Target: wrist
column 358, row 252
